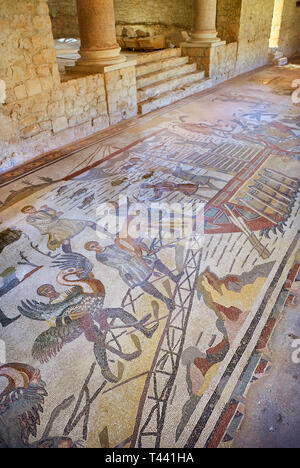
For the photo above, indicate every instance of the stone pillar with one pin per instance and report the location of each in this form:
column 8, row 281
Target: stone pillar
column 99, row 47
column 204, row 24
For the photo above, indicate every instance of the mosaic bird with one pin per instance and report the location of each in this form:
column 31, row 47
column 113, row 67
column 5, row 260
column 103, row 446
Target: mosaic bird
column 45, row 312
column 75, row 314
column 74, row 260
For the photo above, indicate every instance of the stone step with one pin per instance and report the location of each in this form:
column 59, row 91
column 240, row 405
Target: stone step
column 150, row 78
column 157, row 55
column 161, row 87
column 175, row 95
column 152, row 67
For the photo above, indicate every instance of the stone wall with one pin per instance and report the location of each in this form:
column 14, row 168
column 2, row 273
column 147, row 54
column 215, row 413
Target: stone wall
column 63, row 14
column 223, row 62
column 121, row 94
column 289, row 40
column 39, row 113
column 162, row 16
column 218, row 62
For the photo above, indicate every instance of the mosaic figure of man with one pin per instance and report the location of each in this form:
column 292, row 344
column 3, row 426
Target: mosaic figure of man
column 135, row 270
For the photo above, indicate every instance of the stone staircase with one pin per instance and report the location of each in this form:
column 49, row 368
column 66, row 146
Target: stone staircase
column 164, row 77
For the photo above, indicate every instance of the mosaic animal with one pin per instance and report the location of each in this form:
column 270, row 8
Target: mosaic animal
column 61, row 190
column 87, row 201
column 60, row 231
column 21, row 403
column 78, row 193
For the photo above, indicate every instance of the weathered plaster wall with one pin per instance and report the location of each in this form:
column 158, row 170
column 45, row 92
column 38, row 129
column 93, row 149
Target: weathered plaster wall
column 289, row 39
column 228, row 19
column 64, row 18
column 254, row 34
column 276, row 23
column 154, row 16
column 160, row 13
column 39, row 113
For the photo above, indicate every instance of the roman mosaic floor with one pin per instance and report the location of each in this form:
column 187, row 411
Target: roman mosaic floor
column 149, row 332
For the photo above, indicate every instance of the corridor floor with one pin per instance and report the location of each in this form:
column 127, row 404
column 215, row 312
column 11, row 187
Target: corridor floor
column 151, row 331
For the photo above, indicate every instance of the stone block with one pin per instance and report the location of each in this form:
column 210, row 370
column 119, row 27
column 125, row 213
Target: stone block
column 49, row 55
column 69, row 90
column 2, row 92
column 30, row 131
column 20, row 92
column 46, row 125
column 36, row 41
column 56, row 109
column 129, row 32
column 57, row 95
column 33, row 87
column 101, row 107
column 27, row 121
column 43, row 70
column 72, row 122
column 46, row 83
column 59, row 124
column 18, row 74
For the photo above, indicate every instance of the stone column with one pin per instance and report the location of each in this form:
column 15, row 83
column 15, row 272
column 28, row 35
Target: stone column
column 204, row 27
column 99, row 47
column 204, row 47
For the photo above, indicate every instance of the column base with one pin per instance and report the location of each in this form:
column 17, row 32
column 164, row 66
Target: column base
column 79, row 69
column 96, row 61
column 204, row 44
column 205, row 36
